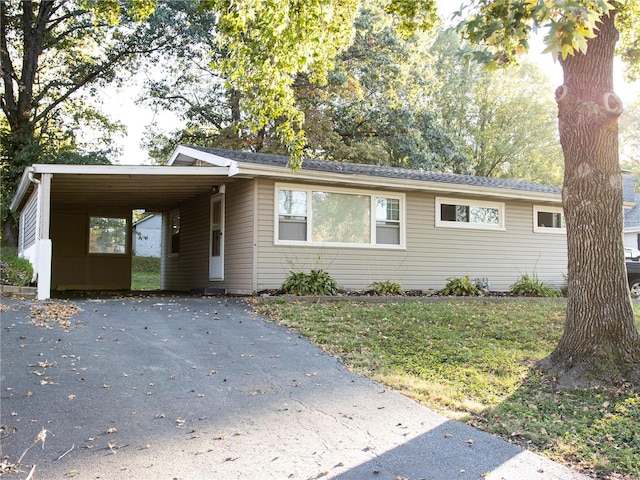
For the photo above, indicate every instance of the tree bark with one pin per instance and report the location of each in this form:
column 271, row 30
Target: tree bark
column 600, row 343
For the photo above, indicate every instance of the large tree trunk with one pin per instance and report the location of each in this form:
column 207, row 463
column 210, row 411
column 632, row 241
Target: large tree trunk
column 600, row 343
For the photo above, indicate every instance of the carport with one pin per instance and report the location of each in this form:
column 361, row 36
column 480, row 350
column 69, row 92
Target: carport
column 57, row 204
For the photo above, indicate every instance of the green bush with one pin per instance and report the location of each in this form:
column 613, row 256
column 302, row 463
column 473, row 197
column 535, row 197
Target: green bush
column 532, row 286
column 461, row 286
column 386, row 288
column 15, row 270
column 316, row 282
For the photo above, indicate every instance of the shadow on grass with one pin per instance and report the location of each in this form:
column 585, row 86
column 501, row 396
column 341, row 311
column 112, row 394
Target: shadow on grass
column 593, row 430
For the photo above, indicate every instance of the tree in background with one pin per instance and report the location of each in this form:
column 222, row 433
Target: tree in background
column 53, row 56
column 231, row 75
column 504, row 125
column 372, row 110
column 183, row 81
column 266, row 45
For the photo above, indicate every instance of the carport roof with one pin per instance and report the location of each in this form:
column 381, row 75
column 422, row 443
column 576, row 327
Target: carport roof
column 153, row 188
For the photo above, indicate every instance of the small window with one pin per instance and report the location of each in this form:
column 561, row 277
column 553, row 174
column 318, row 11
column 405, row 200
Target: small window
column 107, row 235
column 387, row 221
column 292, row 215
column 459, row 213
column 175, row 232
column 548, row 219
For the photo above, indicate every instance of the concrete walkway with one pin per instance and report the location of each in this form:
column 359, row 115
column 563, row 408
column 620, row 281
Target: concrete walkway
column 193, row 388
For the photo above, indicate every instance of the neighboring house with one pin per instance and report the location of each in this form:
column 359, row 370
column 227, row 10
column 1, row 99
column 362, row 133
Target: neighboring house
column 239, row 222
column 147, row 236
column 632, row 225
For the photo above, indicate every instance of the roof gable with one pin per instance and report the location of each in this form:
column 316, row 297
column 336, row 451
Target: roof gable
column 194, row 156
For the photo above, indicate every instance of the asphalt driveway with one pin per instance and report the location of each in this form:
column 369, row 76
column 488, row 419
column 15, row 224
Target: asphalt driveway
column 179, row 387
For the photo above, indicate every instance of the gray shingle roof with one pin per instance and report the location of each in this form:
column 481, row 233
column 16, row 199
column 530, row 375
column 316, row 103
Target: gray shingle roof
column 381, row 171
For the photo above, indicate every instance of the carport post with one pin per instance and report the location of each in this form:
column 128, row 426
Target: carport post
column 45, row 248
column 44, row 269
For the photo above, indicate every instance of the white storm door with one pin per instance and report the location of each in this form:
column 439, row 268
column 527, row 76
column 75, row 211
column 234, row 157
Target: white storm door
column 216, row 241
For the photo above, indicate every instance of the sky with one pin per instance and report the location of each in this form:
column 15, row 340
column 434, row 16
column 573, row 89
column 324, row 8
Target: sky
column 120, row 103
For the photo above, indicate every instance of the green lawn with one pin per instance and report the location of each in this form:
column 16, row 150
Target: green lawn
column 145, row 273
column 472, row 362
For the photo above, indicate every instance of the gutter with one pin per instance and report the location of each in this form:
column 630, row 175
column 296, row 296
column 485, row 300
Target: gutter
column 25, row 181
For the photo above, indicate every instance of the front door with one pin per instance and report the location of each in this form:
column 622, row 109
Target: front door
column 216, row 243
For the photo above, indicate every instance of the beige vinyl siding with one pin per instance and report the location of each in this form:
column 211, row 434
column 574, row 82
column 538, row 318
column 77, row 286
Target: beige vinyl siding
column 433, row 254
column 189, row 270
column 72, row 267
column 239, row 241
column 500, row 256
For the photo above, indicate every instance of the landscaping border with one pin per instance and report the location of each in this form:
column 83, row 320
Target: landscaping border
column 14, row 291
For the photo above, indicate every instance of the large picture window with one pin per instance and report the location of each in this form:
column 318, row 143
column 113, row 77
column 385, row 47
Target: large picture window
column 341, row 217
column 107, row 235
column 459, row 213
column 548, row 220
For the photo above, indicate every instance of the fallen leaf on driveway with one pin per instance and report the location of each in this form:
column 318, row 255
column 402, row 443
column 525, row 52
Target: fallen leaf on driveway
column 57, row 313
column 112, row 430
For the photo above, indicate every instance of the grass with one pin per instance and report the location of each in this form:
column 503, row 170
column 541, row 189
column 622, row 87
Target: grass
column 472, row 361
column 145, row 273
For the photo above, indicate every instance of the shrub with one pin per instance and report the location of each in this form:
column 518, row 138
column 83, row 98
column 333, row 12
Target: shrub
column 461, row 286
column 15, row 270
column 316, row 282
column 532, row 286
column 386, row 288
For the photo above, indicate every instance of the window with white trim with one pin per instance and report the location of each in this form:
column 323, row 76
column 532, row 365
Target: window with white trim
column 464, row 213
column 548, row 219
column 343, row 217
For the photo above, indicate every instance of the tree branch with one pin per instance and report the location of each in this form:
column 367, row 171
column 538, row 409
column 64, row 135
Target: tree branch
column 79, row 82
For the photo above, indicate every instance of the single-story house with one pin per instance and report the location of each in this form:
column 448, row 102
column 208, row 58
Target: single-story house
column 146, row 240
column 239, row 222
